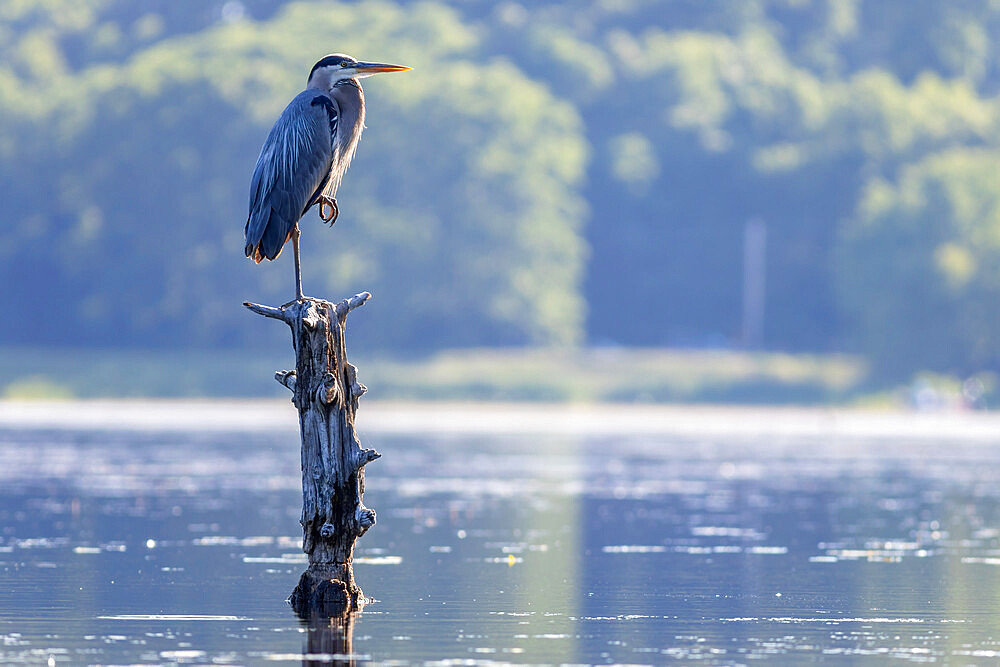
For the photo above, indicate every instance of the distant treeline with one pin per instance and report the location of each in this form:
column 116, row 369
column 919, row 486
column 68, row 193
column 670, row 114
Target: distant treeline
column 551, row 173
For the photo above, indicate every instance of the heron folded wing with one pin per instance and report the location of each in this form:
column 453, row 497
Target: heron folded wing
column 293, row 163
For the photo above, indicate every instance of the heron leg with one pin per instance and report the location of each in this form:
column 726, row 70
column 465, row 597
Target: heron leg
column 331, row 216
column 298, row 268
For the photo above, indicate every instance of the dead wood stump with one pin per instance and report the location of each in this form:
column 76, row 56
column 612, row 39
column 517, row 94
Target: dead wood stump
column 325, row 390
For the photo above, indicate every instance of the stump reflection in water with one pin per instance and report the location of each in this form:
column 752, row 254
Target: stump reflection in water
column 330, row 639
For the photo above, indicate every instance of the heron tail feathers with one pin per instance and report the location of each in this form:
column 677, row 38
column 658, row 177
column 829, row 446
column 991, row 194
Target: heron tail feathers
column 275, row 235
column 266, row 234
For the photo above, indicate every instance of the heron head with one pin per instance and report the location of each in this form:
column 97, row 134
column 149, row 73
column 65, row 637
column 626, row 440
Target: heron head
column 337, row 67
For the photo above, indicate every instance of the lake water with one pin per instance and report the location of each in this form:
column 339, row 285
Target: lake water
column 735, row 537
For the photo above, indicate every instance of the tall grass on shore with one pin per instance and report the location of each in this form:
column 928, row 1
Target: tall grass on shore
column 513, row 374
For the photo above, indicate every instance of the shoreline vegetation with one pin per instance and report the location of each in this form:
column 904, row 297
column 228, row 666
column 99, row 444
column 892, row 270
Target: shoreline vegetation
column 520, row 375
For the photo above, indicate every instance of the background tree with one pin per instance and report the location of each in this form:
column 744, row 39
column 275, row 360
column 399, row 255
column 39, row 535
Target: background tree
column 126, row 183
column 544, row 160
column 920, row 266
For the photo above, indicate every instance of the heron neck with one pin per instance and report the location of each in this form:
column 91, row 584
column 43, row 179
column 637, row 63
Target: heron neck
column 350, row 100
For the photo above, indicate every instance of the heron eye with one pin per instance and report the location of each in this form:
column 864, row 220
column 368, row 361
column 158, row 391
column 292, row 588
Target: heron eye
column 344, row 64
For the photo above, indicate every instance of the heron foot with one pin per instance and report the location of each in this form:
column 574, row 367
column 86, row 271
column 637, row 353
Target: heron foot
column 334, row 211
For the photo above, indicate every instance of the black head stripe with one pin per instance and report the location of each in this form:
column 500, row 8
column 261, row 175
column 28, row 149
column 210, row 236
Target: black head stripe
column 326, row 62
column 334, row 60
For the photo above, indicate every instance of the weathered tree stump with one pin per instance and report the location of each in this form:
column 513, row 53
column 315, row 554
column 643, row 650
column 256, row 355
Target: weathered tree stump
column 326, row 391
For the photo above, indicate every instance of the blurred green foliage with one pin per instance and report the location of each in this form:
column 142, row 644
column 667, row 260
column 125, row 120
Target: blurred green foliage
column 35, row 387
column 552, row 172
column 705, row 115
column 926, row 249
column 126, row 186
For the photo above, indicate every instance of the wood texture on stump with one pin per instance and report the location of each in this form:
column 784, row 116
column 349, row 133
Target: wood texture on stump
column 325, row 390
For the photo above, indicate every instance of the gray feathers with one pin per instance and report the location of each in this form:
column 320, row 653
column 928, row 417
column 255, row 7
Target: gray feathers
column 305, row 155
column 293, row 164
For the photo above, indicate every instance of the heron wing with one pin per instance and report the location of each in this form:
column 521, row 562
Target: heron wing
column 293, row 165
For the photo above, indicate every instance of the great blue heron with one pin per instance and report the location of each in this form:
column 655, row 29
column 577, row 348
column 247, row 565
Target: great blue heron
column 305, row 156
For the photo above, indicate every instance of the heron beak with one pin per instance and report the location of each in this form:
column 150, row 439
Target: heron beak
column 375, row 68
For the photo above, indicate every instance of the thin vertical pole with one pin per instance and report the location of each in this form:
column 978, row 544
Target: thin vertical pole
column 754, row 268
